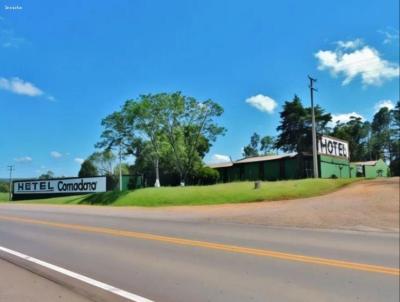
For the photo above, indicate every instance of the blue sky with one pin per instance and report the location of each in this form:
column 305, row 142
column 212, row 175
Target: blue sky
column 64, row 67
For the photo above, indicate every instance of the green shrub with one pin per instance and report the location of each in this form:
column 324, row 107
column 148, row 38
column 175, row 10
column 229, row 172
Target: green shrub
column 88, row 169
column 207, row 176
column 112, row 182
column 4, row 187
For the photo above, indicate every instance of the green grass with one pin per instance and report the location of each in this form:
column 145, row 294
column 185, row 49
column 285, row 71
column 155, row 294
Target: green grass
column 237, row 192
column 3, row 197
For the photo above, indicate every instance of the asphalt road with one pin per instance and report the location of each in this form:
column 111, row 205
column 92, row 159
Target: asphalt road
column 174, row 260
column 18, row 284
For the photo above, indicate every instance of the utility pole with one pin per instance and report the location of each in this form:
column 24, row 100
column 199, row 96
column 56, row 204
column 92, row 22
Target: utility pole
column 120, row 169
column 10, row 168
column 314, row 130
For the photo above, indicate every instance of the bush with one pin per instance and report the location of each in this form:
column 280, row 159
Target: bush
column 88, row 169
column 4, row 187
column 135, row 182
column 207, row 176
column 112, row 182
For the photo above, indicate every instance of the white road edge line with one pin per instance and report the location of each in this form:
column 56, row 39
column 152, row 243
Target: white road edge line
column 104, row 286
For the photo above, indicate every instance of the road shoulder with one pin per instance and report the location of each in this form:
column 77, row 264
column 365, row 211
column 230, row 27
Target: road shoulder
column 18, row 284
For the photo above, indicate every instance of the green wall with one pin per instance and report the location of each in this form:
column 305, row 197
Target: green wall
column 291, row 168
column 272, row 170
column 334, row 166
column 233, row 173
column 251, row 171
column 136, row 181
column 294, row 168
column 379, row 170
column 353, row 170
column 125, row 181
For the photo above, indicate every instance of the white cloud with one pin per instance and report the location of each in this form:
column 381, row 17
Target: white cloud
column 8, row 38
column 390, row 35
column 344, row 118
column 262, row 102
column 55, row 154
column 384, row 103
column 220, row 158
column 23, row 159
column 79, row 160
column 350, row 61
column 350, row 44
column 19, row 86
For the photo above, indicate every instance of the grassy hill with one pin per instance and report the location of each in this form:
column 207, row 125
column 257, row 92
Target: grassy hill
column 237, row 192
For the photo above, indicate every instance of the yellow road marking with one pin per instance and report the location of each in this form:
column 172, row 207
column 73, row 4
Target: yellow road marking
column 212, row 245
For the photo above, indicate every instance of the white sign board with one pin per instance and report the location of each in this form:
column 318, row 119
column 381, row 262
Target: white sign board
column 59, row 186
column 333, row 146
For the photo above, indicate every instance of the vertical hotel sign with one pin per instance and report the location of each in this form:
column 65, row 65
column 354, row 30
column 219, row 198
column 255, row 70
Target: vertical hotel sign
column 60, row 186
column 332, row 146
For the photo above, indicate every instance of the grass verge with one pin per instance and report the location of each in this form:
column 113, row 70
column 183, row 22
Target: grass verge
column 3, row 197
column 237, row 192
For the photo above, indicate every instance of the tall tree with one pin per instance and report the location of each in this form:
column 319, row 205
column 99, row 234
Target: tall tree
column 267, row 145
column 356, row 132
column 295, row 126
column 251, row 149
column 117, row 133
column 259, row 146
column 169, row 130
column 395, row 140
column 48, row 175
column 124, row 169
column 186, row 124
column 396, row 119
column 292, row 126
column 144, row 117
column 104, row 161
column 87, row 169
column 380, row 135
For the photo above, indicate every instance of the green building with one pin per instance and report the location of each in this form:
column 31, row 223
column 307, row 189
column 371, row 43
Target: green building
column 333, row 167
column 271, row 167
column 130, row 182
column 333, row 162
column 296, row 166
column 370, row 169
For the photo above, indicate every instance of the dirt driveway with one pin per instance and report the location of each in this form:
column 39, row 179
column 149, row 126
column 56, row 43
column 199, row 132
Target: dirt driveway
column 367, row 205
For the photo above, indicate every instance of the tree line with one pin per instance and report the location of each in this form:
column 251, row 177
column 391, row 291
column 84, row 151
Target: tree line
column 168, row 134
column 368, row 140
